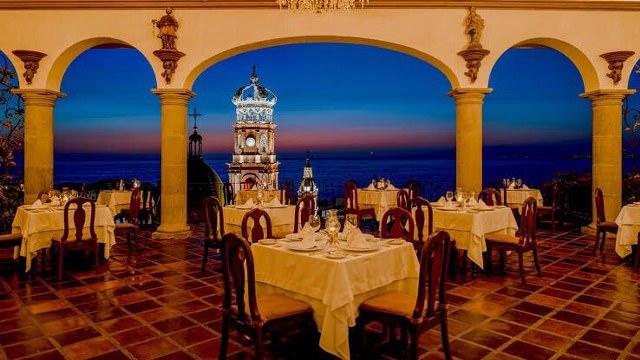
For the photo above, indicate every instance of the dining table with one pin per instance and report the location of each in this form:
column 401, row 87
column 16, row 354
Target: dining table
column 39, row 225
column 335, row 283
column 282, row 218
column 380, row 200
column 516, row 197
column 628, row 221
column 469, row 226
column 116, row 200
column 243, row 196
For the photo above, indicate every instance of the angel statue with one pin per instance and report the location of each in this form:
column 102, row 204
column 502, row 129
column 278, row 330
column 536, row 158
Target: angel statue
column 474, row 25
column 167, row 26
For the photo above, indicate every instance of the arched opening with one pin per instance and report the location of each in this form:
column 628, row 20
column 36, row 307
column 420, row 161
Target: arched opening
column 375, row 112
column 108, row 118
column 536, row 127
column 631, row 139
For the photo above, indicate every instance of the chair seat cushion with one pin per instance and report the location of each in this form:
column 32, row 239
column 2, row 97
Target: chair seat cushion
column 127, row 226
column 276, row 306
column 545, row 208
column 609, row 226
column 502, row 238
column 392, row 302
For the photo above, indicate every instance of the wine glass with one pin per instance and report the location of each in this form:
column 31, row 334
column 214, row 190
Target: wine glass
column 449, row 196
column 519, row 183
column 314, row 222
column 352, row 219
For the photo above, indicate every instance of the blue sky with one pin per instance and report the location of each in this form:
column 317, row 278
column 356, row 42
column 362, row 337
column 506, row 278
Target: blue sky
column 330, row 96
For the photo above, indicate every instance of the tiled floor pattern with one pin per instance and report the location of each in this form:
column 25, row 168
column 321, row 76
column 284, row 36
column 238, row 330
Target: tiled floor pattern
column 154, row 303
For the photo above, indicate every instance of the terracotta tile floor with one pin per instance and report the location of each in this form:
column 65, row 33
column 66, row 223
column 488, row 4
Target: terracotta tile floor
column 155, row 303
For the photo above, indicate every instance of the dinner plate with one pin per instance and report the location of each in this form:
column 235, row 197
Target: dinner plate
column 435, row 204
column 367, row 237
column 450, row 209
column 485, row 209
column 268, row 241
column 335, row 255
column 373, row 246
column 396, row 242
column 298, row 237
column 295, row 246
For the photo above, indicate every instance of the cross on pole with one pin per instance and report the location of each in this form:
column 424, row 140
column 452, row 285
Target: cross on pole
column 195, row 117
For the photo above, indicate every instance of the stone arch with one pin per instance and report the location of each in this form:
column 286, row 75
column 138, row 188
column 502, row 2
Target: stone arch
column 66, row 57
column 584, row 65
column 438, row 64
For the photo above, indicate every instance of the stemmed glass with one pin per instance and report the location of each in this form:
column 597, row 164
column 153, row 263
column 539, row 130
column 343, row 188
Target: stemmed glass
column 449, row 196
column 352, row 219
column 519, row 183
column 314, row 221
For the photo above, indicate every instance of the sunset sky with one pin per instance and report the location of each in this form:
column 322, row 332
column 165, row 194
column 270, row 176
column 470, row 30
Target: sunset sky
column 330, row 96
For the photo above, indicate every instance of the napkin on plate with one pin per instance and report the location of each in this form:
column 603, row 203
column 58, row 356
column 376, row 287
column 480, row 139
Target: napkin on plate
column 441, row 201
column 482, row 205
column 348, row 228
column 473, row 202
column 249, row 202
column 371, row 187
column 36, row 204
column 274, row 202
column 308, row 237
column 524, row 187
column 391, row 187
column 357, row 240
column 512, row 186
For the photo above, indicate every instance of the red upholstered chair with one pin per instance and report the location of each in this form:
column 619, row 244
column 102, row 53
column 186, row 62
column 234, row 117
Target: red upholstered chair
column 131, row 226
column 305, row 207
column 75, row 210
column 403, row 199
column 351, row 202
column 603, row 226
column 414, row 314
column 228, row 194
column 520, row 244
column 257, row 232
column 490, row 197
column 9, row 241
column 422, row 206
column 413, row 188
column 550, row 210
column 213, row 226
column 394, row 224
column 258, row 317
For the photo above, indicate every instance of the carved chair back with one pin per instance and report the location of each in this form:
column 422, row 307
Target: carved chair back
column 257, row 232
column 394, row 224
column 213, row 218
column 434, row 263
column 75, row 210
column 305, row 207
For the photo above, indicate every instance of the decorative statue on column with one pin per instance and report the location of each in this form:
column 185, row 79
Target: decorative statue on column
column 168, row 26
column 474, row 25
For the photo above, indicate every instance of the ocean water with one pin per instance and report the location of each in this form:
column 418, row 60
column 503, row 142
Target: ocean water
column 436, row 172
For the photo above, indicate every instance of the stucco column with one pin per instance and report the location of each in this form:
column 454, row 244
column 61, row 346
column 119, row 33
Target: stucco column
column 173, row 174
column 469, row 137
column 38, row 140
column 606, row 158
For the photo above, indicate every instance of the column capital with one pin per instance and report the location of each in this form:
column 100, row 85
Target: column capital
column 615, row 95
column 174, row 96
column 39, row 97
column 469, row 94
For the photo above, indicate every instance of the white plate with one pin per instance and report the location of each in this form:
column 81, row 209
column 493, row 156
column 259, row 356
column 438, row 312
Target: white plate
column 450, row 209
column 295, row 246
column 396, row 242
column 297, row 237
column 268, row 241
column 491, row 208
column 335, row 255
column 436, row 205
column 367, row 237
column 372, row 247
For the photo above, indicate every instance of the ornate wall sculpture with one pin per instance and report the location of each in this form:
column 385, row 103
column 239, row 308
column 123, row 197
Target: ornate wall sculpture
column 31, row 60
column 616, row 61
column 474, row 53
column 167, row 32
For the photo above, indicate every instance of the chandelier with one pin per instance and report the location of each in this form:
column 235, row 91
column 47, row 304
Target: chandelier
column 319, row 5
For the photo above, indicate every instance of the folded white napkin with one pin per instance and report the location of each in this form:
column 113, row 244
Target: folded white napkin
column 274, row 202
column 357, row 240
column 472, row 201
column 37, row 204
column 371, row 187
column 482, row 205
column 441, row 201
column 512, row 186
column 348, row 228
column 308, row 237
column 525, row 187
column 391, row 187
column 249, row 202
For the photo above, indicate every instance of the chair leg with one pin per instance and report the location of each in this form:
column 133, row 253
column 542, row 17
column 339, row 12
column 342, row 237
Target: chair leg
column 362, row 338
column 60, row 257
column 224, row 340
column 637, row 257
column 413, row 349
column 489, row 264
column 96, row 255
column 259, row 346
column 204, row 257
column 595, row 247
column 43, row 253
column 553, row 221
column 502, row 256
column 535, row 261
column 604, row 238
column 444, row 333
column 521, row 263
column 464, row 263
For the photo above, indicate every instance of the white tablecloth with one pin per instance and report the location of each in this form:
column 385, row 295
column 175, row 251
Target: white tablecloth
column 516, row 197
column 282, row 218
column 380, row 200
column 116, row 200
column 628, row 221
column 335, row 288
column 39, row 226
column 243, row 195
column 468, row 228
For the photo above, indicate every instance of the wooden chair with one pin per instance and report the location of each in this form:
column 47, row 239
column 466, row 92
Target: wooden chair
column 287, row 193
column 351, row 203
column 636, row 260
column 394, row 224
column 603, row 226
column 213, row 226
column 9, row 241
column 305, row 207
column 414, row 314
column 131, row 226
column 145, row 216
column 550, row 210
column 403, row 199
column 77, row 240
column 526, row 241
column 260, row 316
column 490, row 197
column 413, row 188
column 257, row 232
column 421, row 204
column 228, row 194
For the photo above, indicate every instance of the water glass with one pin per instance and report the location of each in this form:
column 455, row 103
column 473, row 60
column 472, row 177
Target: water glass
column 314, row 222
column 449, row 196
column 352, row 219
